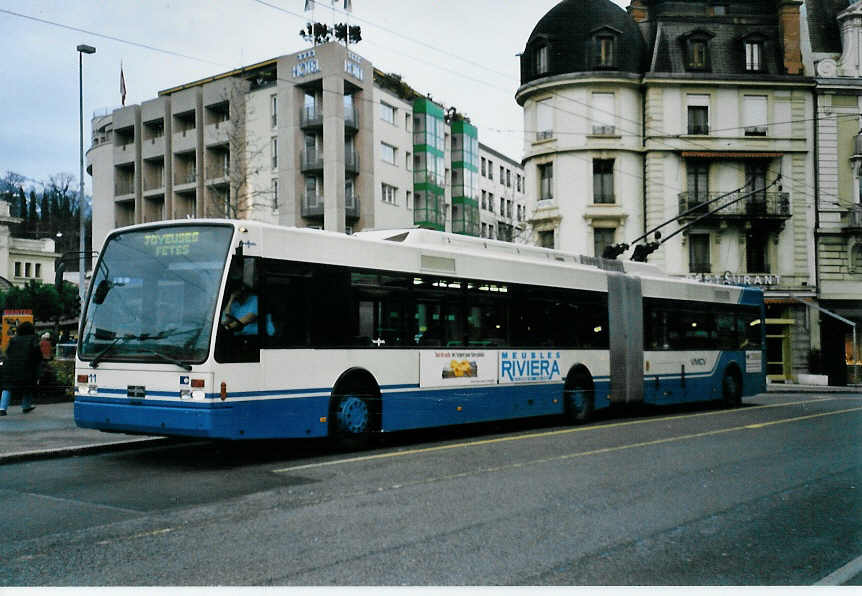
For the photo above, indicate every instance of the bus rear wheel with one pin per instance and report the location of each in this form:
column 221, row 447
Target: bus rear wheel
column 731, row 389
column 351, row 421
column 578, row 398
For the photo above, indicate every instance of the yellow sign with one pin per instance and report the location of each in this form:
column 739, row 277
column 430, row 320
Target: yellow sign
column 171, row 243
column 11, row 320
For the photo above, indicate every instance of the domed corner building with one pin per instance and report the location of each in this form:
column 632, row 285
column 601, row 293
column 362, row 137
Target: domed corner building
column 701, row 113
column 581, row 73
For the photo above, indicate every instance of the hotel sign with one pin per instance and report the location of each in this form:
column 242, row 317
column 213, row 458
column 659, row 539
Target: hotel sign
column 306, row 64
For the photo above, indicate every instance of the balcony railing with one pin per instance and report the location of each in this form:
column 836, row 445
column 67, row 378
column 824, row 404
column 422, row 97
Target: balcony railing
column 310, row 117
column 603, row 129
column 699, row 267
column 543, row 135
column 311, row 161
column 769, row 205
column 123, row 188
column 313, row 205
column 351, row 161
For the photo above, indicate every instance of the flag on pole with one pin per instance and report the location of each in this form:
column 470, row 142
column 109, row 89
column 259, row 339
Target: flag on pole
column 122, row 84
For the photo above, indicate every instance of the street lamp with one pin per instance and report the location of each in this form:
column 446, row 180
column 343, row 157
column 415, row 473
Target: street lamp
column 82, row 49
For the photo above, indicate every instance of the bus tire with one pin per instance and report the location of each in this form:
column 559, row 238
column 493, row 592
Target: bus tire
column 353, row 412
column 578, row 397
column 731, row 388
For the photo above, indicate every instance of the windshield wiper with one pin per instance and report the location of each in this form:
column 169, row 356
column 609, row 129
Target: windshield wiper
column 166, row 358
column 94, row 363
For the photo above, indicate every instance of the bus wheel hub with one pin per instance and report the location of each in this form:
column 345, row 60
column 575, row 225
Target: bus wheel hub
column 353, row 415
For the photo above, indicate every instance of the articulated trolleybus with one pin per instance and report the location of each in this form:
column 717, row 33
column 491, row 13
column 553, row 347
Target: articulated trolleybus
column 241, row 330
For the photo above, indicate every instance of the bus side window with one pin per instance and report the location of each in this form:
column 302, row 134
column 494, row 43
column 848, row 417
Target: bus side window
column 287, row 304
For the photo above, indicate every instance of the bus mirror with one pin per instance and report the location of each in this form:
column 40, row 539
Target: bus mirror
column 101, row 291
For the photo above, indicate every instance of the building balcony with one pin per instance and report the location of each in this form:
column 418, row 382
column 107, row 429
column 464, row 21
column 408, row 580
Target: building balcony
column 351, row 119
column 311, row 161
column 122, row 187
column 351, row 162
column 313, row 206
column 310, row 117
column 854, row 219
column 762, row 206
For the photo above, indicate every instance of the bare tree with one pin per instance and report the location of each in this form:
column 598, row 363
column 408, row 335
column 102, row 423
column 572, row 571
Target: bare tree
column 233, row 166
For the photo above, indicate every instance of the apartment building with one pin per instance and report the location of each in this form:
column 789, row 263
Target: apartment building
column 664, row 113
column 831, row 51
column 503, row 202
column 318, row 138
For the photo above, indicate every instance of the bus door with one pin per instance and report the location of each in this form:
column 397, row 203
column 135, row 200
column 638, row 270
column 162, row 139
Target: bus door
column 240, row 327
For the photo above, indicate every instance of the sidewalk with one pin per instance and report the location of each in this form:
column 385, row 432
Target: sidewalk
column 50, row 431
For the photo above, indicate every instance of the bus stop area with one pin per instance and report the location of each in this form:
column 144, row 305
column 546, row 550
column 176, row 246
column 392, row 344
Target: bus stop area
column 50, row 430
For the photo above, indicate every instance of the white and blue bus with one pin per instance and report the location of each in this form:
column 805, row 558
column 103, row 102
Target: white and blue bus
column 385, row 331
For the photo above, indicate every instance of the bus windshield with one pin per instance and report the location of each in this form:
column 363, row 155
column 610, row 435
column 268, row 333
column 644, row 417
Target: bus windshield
column 154, row 295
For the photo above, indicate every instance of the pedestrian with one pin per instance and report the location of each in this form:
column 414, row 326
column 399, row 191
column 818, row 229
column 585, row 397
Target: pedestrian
column 21, row 369
column 46, row 346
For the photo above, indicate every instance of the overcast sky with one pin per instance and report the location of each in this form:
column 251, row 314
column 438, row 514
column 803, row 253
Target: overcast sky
column 462, row 52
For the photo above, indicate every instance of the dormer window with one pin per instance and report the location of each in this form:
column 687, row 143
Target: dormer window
column 696, row 46
column 753, row 46
column 541, row 59
column 604, row 46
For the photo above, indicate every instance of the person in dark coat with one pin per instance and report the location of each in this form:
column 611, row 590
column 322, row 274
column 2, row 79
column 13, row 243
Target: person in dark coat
column 21, row 369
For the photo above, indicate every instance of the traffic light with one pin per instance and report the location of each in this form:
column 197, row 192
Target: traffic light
column 76, row 306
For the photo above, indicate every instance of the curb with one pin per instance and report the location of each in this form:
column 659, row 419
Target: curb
column 125, row 445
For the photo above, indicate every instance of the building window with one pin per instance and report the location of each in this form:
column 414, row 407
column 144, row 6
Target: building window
column 544, row 120
column 518, row 182
column 483, row 166
column 698, row 114
column 484, row 230
column 605, row 52
column 698, row 253
column 697, row 50
column 502, row 169
column 38, row 273
column 484, row 199
column 388, row 193
column 697, row 178
column 754, row 56
column 490, row 231
column 604, row 114
column 491, row 202
column 490, row 170
column 856, row 257
column 546, row 239
column 275, row 194
column 508, row 178
column 546, row 181
column 541, row 59
column 755, row 186
column 26, row 269
column 17, row 269
column 756, row 259
column 387, row 113
column 387, row 153
column 603, row 181
column 602, row 238
column 273, row 110
column 754, row 115
column 274, row 145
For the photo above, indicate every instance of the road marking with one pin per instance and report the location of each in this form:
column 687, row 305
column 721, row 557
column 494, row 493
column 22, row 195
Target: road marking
column 395, row 454
column 134, row 536
column 839, row 576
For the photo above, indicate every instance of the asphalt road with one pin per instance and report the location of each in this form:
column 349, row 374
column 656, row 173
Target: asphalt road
column 768, row 494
